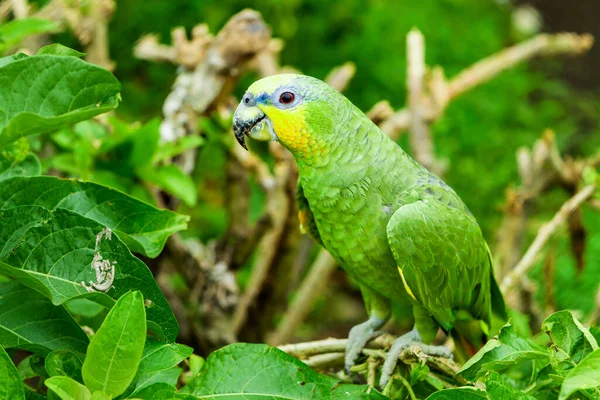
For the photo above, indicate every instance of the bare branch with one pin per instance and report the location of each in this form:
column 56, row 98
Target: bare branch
column 540, row 45
column 307, row 294
column 420, row 136
column 544, row 234
column 490, row 67
column 277, row 206
column 330, row 353
column 339, row 77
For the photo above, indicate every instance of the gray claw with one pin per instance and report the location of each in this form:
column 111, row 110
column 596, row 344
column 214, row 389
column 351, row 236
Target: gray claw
column 412, row 338
column 358, row 338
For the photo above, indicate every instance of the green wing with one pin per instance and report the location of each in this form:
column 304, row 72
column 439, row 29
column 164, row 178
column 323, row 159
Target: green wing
column 307, row 220
column 444, row 263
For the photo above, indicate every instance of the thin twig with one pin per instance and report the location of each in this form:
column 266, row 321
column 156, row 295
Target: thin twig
column 488, row 68
column 330, row 353
column 311, row 286
column 277, row 204
column 421, row 144
column 544, row 234
column 540, row 45
column 339, row 77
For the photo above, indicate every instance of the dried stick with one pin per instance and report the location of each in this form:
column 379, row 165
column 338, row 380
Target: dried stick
column 544, row 234
column 20, row 8
column 97, row 48
column 488, row 68
column 330, row 353
column 307, row 294
column 420, row 137
column 540, row 45
column 277, row 205
column 339, row 77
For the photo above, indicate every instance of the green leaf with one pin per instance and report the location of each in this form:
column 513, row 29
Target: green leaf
column 166, row 151
column 462, row 393
column 41, row 93
column 30, row 166
column 52, row 252
column 172, row 180
column 58, row 49
column 156, row 391
column 64, row 363
column 571, row 341
column 30, row 321
column 11, row 387
column 115, row 351
column 584, row 376
column 84, row 307
column 498, row 388
column 195, row 365
column 504, row 351
column 32, row 366
column 12, row 32
column 67, row 388
column 144, row 143
column 159, row 357
column 100, row 396
column 258, row 371
column 169, row 375
column 142, row 227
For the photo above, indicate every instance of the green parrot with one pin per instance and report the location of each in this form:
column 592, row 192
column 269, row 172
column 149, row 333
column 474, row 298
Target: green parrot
column 397, row 229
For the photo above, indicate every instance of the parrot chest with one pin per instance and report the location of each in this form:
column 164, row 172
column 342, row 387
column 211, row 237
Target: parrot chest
column 352, row 224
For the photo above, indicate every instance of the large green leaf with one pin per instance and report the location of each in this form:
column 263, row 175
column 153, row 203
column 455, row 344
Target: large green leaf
column 159, row 357
column 67, row 388
column 463, row 393
column 584, row 376
column 41, row 93
column 116, row 349
column 52, row 252
column 11, row 387
column 505, row 351
column 58, row 49
column 172, row 180
column 256, row 371
column 12, row 32
column 571, row 341
column 156, row 391
column 499, row 388
column 141, row 226
column 30, row 321
column 30, row 166
column 64, row 363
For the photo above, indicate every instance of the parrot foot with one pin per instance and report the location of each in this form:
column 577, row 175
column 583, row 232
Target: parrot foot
column 411, row 338
column 358, row 337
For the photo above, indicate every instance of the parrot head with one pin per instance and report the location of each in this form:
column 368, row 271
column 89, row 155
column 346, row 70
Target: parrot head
column 296, row 110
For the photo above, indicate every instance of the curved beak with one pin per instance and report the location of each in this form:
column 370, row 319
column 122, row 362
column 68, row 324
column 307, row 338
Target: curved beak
column 252, row 122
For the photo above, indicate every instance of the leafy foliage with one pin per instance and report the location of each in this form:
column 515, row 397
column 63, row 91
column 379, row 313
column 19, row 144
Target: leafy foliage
column 259, row 370
column 143, row 228
column 44, row 92
column 61, row 266
column 31, row 322
column 10, row 380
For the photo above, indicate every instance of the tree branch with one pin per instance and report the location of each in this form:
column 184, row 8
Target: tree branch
column 544, row 234
column 488, row 68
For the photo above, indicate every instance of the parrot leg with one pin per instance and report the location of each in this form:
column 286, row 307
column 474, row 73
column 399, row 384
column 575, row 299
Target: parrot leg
column 359, row 336
column 405, row 341
column 378, row 308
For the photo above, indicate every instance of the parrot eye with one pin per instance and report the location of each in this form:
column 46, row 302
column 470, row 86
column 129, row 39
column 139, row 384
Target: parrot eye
column 286, row 97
